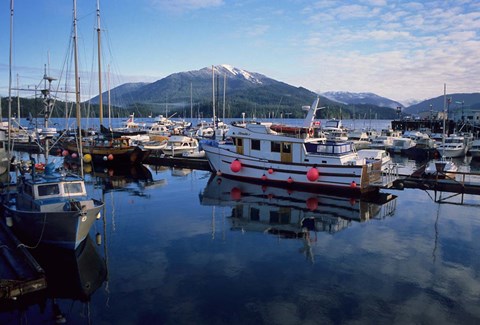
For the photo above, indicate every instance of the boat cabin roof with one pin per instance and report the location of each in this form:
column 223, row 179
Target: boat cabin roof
column 43, row 187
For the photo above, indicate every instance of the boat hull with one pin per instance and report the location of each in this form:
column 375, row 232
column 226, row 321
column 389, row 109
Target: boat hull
column 341, row 179
column 112, row 156
column 66, row 229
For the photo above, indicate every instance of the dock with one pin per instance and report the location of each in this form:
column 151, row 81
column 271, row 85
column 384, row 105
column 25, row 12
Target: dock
column 458, row 182
column 181, row 162
column 20, row 273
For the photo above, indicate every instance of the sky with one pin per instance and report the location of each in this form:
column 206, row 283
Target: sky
column 402, row 50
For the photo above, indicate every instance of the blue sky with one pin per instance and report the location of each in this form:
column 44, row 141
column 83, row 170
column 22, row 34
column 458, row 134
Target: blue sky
column 397, row 49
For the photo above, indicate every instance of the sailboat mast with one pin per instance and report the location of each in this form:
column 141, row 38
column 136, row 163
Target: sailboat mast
column 99, row 50
column 213, row 94
column 224, row 90
column 77, row 86
column 10, row 80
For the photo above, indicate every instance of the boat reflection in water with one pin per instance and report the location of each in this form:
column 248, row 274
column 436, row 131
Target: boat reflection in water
column 291, row 214
column 72, row 276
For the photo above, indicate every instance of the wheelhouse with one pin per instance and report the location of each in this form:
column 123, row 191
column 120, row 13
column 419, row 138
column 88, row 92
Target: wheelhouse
column 54, row 189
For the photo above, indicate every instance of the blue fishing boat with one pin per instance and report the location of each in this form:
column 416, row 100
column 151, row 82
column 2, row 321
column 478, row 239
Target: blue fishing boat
column 51, row 207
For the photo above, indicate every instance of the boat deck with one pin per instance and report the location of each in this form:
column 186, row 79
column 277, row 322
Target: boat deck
column 19, row 272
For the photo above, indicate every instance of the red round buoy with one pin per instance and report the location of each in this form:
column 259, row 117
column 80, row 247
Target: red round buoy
column 290, row 180
column 65, row 153
column 235, row 166
column 236, row 194
column 110, row 157
column 264, row 177
column 312, row 203
column 353, row 184
column 270, row 171
column 74, row 155
column 312, row 174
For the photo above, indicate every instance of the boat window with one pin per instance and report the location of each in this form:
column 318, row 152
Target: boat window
column 286, row 147
column 254, row 214
column 72, row 188
column 48, row 189
column 255, row 144
column 275, row 146
column 238, row 142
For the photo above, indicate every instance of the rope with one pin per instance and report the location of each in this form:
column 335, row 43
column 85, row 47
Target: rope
column 41, row 235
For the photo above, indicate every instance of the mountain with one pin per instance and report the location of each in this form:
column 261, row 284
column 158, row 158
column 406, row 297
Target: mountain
column 361, row 98
column 458, row 102
column 245, row 91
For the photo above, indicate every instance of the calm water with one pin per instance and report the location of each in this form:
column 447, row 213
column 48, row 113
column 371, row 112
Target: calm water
column 178, row 249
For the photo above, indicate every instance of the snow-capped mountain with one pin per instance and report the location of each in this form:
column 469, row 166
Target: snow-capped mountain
column 361, row 98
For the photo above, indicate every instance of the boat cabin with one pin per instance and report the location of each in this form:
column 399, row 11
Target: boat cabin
column 35, row 194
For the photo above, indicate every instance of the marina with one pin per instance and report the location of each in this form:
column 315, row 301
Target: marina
column 178, row 231
column 232, row 244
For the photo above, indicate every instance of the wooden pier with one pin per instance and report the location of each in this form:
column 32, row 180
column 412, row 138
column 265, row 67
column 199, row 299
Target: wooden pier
column 19, row 272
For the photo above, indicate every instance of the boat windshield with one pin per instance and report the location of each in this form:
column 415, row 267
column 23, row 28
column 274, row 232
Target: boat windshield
column 73, row 188
column 48, row 189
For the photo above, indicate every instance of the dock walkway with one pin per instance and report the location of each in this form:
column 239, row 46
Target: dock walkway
column 19, row 271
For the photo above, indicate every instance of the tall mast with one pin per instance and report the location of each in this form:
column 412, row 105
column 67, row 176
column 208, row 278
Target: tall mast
column 224, row 90
column 10, row 79
column 99, row 50
column 213, row 94
column 108, row 87
column 77, row 86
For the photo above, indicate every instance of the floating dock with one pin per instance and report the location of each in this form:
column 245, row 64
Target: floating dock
column 456, row 182
column 19, row 272
column 182, row 162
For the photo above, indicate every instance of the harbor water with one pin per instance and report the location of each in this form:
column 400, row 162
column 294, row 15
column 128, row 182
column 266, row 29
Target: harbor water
column 180, row 246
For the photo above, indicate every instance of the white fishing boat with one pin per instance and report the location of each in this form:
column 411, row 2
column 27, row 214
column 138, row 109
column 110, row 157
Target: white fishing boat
column 177, row 145
column 298, row 159
column 453, row 146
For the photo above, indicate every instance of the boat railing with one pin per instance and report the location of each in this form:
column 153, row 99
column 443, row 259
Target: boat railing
column 384, row 177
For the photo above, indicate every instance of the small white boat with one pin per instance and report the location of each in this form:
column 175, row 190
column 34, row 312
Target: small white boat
column 374, row 155
column 400, row 144
column 178, row 144
column 475, row 149
column 441, row 167
column 360, row 138
column 382, row 142
column 454, row 146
